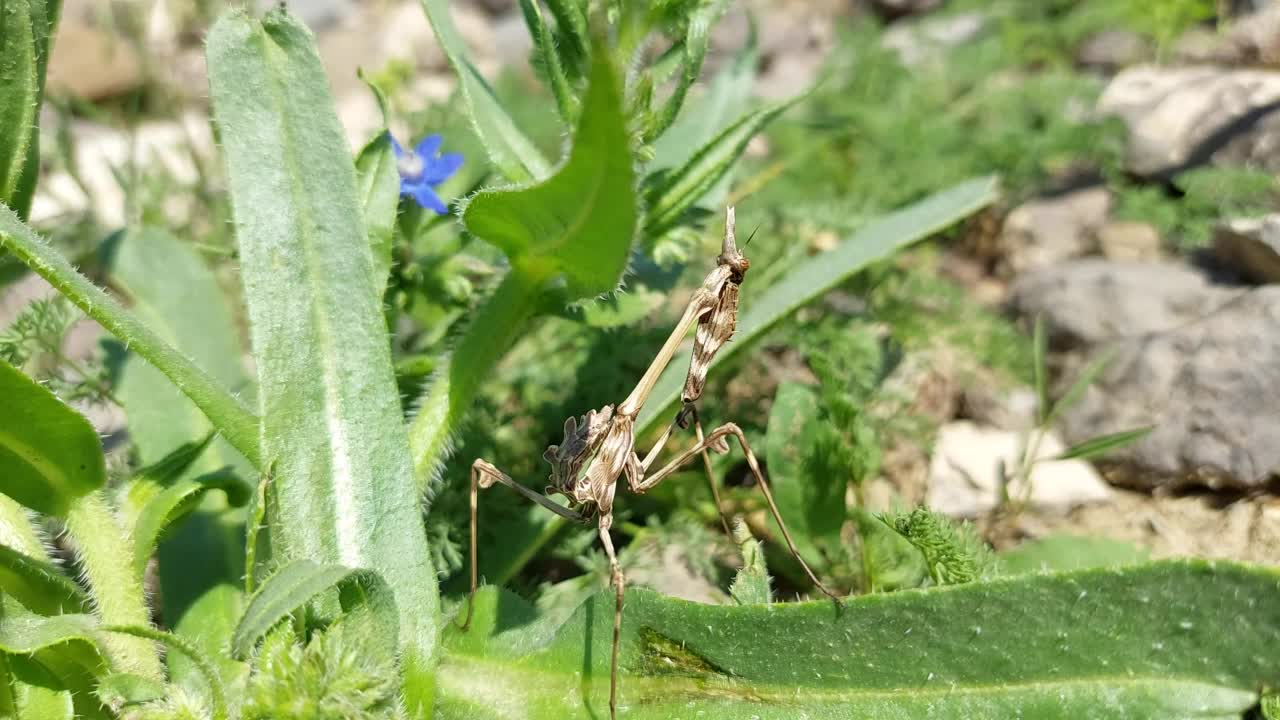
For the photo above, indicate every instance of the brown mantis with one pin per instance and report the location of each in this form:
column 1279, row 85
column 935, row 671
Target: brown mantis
column 599, row 447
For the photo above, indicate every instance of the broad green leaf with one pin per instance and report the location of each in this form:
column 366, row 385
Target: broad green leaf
column 1069, row 552
column 1169, row 639
column 813, row 507
column 670, row 194
column 751, row 583
column 286, row 592
column 380, row 195
column 150, row 481
column 343, row 479
column 810, row 279
column 39, row 585
column 38, row 693
column 224, row 410
column 511, row 152
column 1102, row 445
column 553, row 69
column 50, row 454
column 71, row 638
column 174, row 503
column 581, row 220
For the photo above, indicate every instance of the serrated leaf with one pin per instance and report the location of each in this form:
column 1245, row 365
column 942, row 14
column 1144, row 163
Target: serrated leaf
column 380, row 195
column 510, row 151
column 174, row 503
column 332, row 424
column 751, row 582
column 581, row 220
column 287, row 591
column 50, row 453
column 813, row 507
column 1101, row 445
column 810, row 279
column 1169, row 639
column 670, row 194
column 697, row 38
column 1057, row 553
column 39, row 585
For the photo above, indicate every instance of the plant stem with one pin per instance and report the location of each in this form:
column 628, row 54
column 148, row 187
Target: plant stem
column 497, row 326
column 236, row 423
column 103, row 550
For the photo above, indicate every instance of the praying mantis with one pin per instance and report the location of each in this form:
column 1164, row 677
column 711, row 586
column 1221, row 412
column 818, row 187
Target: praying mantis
column 599, row 447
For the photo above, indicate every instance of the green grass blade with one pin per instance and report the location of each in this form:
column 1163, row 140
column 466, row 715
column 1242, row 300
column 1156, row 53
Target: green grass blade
column 1169, row 639
column 810, row 279
column 1101, row 445
column 236, row 423
column 1078, row 387
column 671, row 194
column 343, row 478
column 510, row 151
column 1040, row 370
column 50, row 454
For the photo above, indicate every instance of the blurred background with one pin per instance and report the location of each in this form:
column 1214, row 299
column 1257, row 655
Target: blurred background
column 1136, row 142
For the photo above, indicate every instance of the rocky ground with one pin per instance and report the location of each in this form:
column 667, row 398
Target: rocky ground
column 1193, row 337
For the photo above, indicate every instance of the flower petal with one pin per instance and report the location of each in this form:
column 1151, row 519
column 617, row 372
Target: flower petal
column 428, row 146
column 425, row 197
column 395, row 146
column 437, row 170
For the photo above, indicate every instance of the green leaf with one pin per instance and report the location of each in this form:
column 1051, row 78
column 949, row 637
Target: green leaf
column 571, row 34
column 207, row 623
column 217, row 694
column 287, row 591
column 19, row 103
column 380, row 195
column 176, row 502
column 509, row 150
column 225, row 411
column 705, row 117
column 814, row 507
column 1170, row 639
column 1271, row 706
column 50, row 454
column 38, row 693
column 120, row 690
column 172, row 289
column 751, row 583
column 545, row 45
column 581, row 220
column 810, row 279
column 39, row 585
column 1069, row 552
column 70, row 638
column 1101, row 445
column 621, row 308
column 343, row 480
column 697, row 38
column 670, row 194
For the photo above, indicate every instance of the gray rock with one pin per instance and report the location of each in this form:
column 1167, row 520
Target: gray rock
column 1049, row 230
column 1111, row 50
column 1130, row 241
column 1183, row 117
column 1250, row 246
column 1189, row 358
column 1250, row 38
column 917, row 42
column 964, row 480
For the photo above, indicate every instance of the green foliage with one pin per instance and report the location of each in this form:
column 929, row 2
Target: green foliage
column 953, row 553
column 26, row 27
column 1207, row 195
column 331, row 413
column 1057, row 553
column 326, row 678
column 751, row 583
column 51, row 453
column 1203, row 647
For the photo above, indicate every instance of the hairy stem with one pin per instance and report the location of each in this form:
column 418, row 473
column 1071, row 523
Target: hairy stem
column 225, row 411
column 103, row 550
column 497, row 326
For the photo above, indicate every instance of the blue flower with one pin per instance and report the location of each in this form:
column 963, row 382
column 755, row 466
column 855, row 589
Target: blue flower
column 423, row 169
